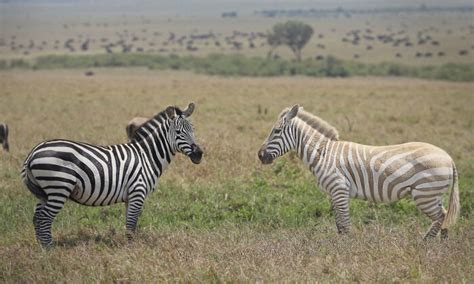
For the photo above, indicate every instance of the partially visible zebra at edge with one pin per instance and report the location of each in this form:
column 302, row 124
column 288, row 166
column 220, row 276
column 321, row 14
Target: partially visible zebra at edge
column 4, row 136
column 57, row 170
column 376, row 173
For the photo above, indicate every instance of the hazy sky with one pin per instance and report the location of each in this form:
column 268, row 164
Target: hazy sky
column 208, row 7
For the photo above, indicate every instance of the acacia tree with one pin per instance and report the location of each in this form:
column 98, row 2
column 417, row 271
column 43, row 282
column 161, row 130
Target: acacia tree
column 293, row 34
column 273, row 41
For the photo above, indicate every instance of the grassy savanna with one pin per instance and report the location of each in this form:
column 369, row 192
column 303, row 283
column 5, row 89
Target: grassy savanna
column 230, row 218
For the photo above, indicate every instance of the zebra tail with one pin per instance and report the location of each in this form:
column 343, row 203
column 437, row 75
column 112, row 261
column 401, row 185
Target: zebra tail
column 33, row 187
column 454, row 204
column 27, row 177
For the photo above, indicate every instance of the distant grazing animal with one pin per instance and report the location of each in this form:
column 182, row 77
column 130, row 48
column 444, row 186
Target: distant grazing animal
column 4, row 136
column 375, row 173
column 133, row 125
column 58, row 170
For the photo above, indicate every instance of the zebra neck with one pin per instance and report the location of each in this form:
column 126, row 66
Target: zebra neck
column 157, row 150
column 310, row 144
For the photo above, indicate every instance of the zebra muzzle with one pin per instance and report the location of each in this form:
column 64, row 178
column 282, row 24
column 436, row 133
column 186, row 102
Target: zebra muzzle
column 196, row 154
column 265, row 157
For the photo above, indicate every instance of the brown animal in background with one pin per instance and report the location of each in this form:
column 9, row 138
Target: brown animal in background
column 133, row 125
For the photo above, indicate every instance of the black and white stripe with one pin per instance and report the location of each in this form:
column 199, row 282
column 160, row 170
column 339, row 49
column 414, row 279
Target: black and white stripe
column 4, row 136
column 58, row 170
column 376, row 173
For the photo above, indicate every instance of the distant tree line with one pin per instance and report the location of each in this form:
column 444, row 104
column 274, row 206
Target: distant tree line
column 239, row 65
column 347, row 12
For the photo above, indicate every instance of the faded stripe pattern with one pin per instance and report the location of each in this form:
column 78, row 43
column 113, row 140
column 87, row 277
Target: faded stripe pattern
column 375, row 173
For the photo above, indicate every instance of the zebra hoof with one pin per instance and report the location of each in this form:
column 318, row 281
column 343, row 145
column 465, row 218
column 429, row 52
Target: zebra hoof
column 428, row 238
column 47, row 246
column 444, row 234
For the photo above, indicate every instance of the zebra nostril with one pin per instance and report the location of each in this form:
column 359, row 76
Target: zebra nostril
column 195, row 148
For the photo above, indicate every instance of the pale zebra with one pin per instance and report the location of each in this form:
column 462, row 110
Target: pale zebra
column 4, row 136
column 133, row 126
column 58, row 170
column 376, row 173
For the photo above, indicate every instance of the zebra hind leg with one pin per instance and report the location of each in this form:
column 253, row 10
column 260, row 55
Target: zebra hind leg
column 44, row 217
column 435, row 228
column 433, row 209
column 444, row 234
column 44, row 221
column 444, row 231
column 39, row 206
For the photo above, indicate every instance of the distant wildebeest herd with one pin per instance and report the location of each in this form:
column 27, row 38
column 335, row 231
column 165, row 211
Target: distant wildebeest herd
column 425, row 42
column 58, row 170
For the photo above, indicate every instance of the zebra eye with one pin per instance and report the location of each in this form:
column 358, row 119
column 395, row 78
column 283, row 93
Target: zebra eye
column 277, row 130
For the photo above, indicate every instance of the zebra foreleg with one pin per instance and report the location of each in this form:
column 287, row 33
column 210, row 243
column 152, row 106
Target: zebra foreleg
column 340, row 205
column 134, row 209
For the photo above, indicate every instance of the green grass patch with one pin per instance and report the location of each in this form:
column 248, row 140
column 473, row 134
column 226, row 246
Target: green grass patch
column 239, row 65
column 281, row 199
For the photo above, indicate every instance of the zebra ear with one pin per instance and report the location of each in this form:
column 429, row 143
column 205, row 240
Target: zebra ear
column 189, row 110
column 171, row 112
column 292, row 112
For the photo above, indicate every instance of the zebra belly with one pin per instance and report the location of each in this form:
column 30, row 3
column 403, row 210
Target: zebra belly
column 81, row 196
column 387, row 188
column 359, row 194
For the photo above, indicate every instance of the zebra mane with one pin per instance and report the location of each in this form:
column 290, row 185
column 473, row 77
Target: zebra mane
column 153, row 123
column 318, row 123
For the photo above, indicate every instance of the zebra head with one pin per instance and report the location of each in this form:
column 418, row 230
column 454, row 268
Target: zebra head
column 281, row 139
column 181, row 133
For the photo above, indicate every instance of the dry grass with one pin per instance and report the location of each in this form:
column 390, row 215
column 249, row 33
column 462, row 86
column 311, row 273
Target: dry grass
column 374, row 254
column 96, row 109
column 66, row 104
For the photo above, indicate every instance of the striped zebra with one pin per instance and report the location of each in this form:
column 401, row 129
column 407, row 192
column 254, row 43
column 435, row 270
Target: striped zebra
column 58, row 170
column 376, row 173
column 4, row 136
